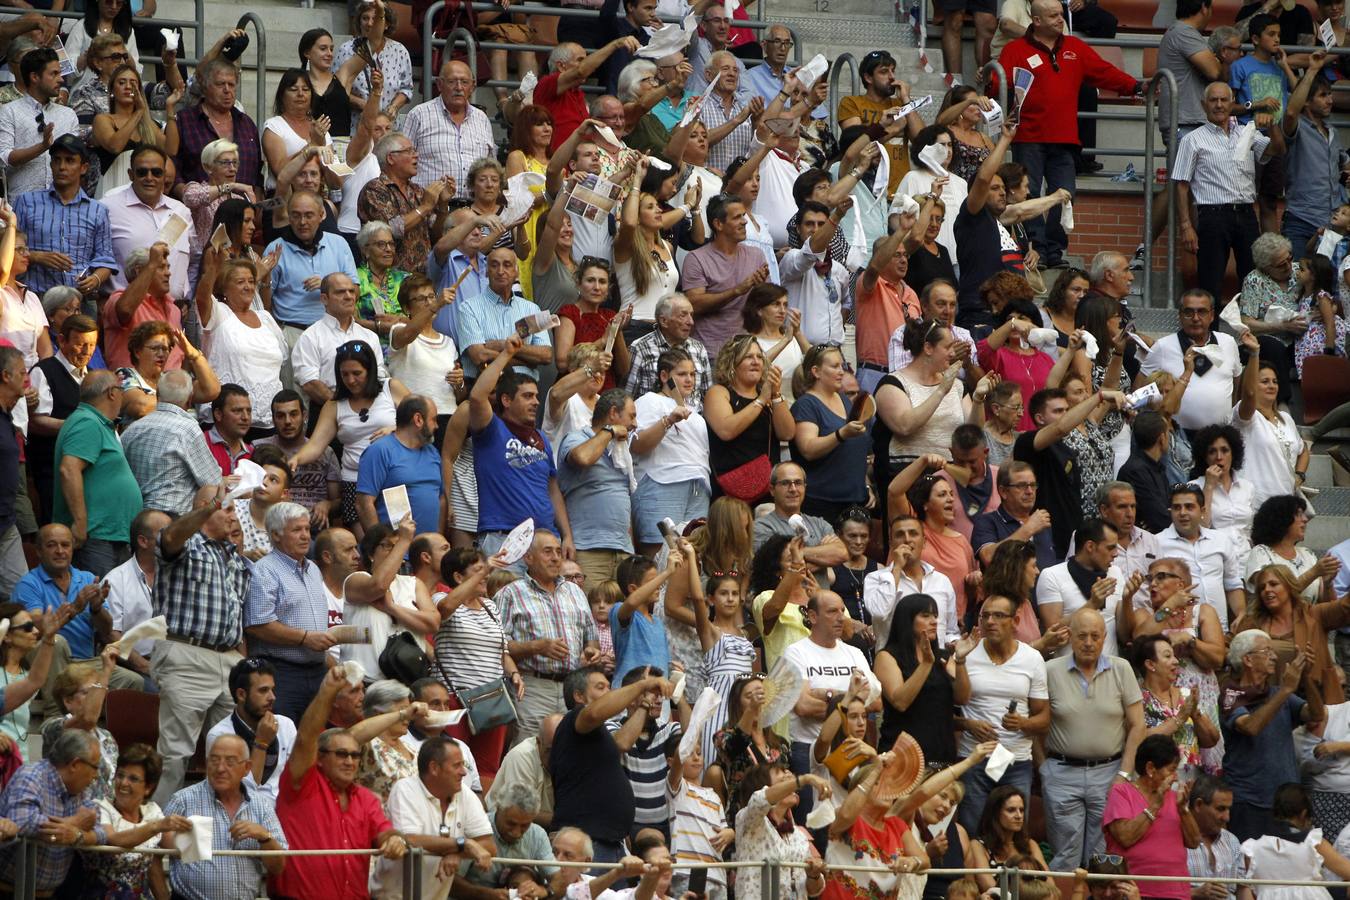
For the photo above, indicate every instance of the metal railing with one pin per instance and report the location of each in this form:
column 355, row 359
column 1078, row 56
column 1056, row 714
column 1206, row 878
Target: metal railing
column 989, row 69
column 260, row 64
column 197, row 25
column 843, row 59
column 1154, row 87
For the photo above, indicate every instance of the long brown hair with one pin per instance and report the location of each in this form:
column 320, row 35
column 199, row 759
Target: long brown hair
column 723, row 542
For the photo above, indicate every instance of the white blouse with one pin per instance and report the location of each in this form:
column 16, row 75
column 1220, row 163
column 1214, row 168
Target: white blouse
column 575, row 416
column 293, row 143
column 682, row 455
column 660, row 283
column 423, row 365
column 249, row 357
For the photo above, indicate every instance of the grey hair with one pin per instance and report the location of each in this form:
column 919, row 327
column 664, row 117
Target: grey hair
column 208, row 71
column 666, row 305
column 589, row 847
column 281, row 513
column 230, row 736
column 630, row 78
column 517, row 796
column 370, row 231
column 1222, row 35
column 1102, row 496
column 390, row 143
column 1244, row 642
column 594, row 105
column 329, row 735
column 1268, row 246
column 18, row 48
column 564, row 52
column 1102, row 263
column 175, row 388
column 57, row 297
column 213, row 151
column 135, row 261
column 382, row 695
column 714, row 60
column 72, row 744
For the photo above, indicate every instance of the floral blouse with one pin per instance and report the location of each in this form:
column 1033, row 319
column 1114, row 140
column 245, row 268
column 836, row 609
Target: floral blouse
column 121, row 875
column 372, row 301
column 382, row 764
column 737, row 754
column 1260, row 292
column 394, row 62
column 1156, row 712
column 758, row 839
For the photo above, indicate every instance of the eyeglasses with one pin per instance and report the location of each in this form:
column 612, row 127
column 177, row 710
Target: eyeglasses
column 157, row 348
column 382, row 245
column 1262, row 651
column 790, row 482
column 228, row 162
column 782, row 42
column 1023, row 486
column 1191, row 312
column 402, row 150
column 228, row 762
column 23, row 251
column 344, row 754
column 1161, row 576
column 576, row 578
column 994, row 616
column 153, row 171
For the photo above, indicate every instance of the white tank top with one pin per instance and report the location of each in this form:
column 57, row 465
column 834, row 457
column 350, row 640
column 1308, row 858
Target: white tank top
column 354, row 434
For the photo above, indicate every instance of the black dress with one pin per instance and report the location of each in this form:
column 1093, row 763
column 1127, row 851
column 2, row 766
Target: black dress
column 753, row 442
column 929, row 718
column 848, row 584
column 334, row 104
column 925, row 266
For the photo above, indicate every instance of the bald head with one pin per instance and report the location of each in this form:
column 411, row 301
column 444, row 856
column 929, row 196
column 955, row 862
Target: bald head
column 228, row 745
column 1087, row 636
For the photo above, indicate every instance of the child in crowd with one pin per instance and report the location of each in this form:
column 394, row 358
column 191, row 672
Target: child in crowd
column 639, row 636
column 602, row 597
column 1321, row 305
column 698, row 821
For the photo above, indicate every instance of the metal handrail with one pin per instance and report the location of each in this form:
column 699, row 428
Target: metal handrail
column 1154, row 86
column 835, row 68
column 260, row 64
column 994, row 67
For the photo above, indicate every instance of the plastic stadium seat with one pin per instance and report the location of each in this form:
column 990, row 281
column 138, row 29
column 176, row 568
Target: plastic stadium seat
column 408, row 33
column 1324, row 386
column 1132, row 15
column 133, row 718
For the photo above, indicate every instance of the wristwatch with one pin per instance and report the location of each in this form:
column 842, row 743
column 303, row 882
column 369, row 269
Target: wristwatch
column 610, row 429
column 460, row 844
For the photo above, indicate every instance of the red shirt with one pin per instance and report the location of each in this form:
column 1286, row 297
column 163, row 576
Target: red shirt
column 313, row 820
column 568, row 109
column 221, row 451
column 1050, row 112
column 115, row 334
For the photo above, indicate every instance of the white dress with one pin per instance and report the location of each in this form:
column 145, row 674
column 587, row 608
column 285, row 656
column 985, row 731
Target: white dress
column 1277, row 858
column 1271, row 451
column 249, row 357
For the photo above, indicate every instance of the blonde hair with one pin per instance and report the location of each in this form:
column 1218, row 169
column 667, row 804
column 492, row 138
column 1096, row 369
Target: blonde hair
column 581, row 354
column 498, row 580
column 730, row 356
column 1255, row 611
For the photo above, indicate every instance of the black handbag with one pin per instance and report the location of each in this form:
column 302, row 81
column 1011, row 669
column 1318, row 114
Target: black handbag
column 403, row 658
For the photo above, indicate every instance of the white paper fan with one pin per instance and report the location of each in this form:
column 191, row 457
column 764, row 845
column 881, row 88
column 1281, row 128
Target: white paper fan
column 781, row 690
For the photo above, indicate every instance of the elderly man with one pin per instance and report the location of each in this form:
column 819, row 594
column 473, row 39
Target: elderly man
column 462, row 247
column 1116, row 506
column 1096, row 722
column 200, row 588
column 769, row 79
column 47, row 800
column 437, row 812
column 1087, row 579
column 513, row 462
column 448, row 131
column 147, row 298
column 1214, row 559
column 322, row 806
column 1209, row 395
column 822, row 547
column 166, row 452
column 96, row 494
column 716, row 277
column 217, row 116
column 486, row 321
column 308, row 257
column 559, row 92
column 936, row 301
column 268, row 736
column 590, row 788
column 517, row 836
column 549, row 631
column 406, row 457
column 525, row 767
column 674, row 322
column 242, row 818
column 714, row 35
column 69, row 232
column 312, row 356
column 1221, row 188
column 728, row 111
column 412, row 214
column 56, row 379
column 138, row 212
column 1017, row 516
column 286, row 616
column 1258, row 720
column 31, row 124
column 907, row 573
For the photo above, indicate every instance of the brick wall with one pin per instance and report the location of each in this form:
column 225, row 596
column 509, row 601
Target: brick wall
column 1108, row 221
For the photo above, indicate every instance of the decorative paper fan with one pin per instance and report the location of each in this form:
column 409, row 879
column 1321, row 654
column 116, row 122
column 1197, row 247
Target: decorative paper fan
column 903, row 773
column 781, row 690
column 704, row 708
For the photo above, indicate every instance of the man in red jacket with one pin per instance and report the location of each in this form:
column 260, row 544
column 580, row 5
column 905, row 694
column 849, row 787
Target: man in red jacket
column 1047, row 132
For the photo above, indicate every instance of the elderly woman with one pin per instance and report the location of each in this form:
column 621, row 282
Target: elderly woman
column 91, row 95
column 765, row 832
column 471, row 648
column 420, row 356
column 1278, row 529
column 1216, row 456
column 385, row 758
column 1274, row 607
column 1277, row 455
column 378, row 281
column 149, row 346
column 1170, row 708
column 747, row 418
column 292, row 126
column 486, row 198
column 60, row 303
column 1269, row 304
column 220, row 159
column 79, row 691
column 135, row 822
column 374, row 23
column 1148, row 823
column 244, row 345
column 928, row 258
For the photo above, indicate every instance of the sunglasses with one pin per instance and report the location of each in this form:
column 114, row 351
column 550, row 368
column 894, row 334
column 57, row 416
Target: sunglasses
column 344, row 754
column 154, row 171
column 26, row 626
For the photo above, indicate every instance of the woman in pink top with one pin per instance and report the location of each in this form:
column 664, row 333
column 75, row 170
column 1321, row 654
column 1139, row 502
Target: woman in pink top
column 1007, row 352
column 932, row 500
column 1148, row 823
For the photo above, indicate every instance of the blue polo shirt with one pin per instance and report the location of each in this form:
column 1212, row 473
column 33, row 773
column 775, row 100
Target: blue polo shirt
column 387, row 463
column 291, row 303
column 475, row 283
column 490, row 317
column 997, row 525
column 39, row 594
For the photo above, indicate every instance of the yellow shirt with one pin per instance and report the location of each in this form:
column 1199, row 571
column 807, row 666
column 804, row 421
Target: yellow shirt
column 872, row 112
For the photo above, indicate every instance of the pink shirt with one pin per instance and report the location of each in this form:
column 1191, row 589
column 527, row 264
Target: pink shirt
column 1028, row 372
column 1160, row 851
column 115, row 334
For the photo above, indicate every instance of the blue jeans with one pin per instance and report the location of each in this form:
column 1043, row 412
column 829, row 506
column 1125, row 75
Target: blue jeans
column 1054, row 165
column 489, row 542
column 978, row 786
column 296, row 686
column 801, row 765
column 101, row 557
column 607, row 852
column 1299, row 233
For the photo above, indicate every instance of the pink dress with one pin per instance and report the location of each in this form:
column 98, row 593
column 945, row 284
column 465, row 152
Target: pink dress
column 1027, row 372
column 1160, row 851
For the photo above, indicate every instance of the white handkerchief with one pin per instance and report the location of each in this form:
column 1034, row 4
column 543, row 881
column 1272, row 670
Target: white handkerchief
column 1090, row 346
column 607, row 135
column 528, row 83
column 821, row 815
column 220, row 238
column 904, row 203
column 156, row 629
column 1277, row 314
column 998, row 762
column 195, row 845
column 1141, row 343
column 4, row 628
column 396, row 503
column 678, row 693
column 1042, row 337
column 798, row 524
column 669, row 39
column 1326, row 245
column 444, row 718
column 1066, row 216
column 1232, row 314
column 882, row 178
column 1244, row 143
column 354, row 672
column 934, row 156
column 658, row 164
column 1213, row 351
column 170, row 40
column 808, row 73
column 941, row 826
column 520, row 195
column 250, row 479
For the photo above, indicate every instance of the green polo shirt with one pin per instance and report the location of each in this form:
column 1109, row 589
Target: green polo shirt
column 111, row 496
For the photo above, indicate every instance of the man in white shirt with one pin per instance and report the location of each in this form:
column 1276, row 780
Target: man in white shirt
column 527, row 764
column 1214, row 561
column 1208, row 399
column 828, row 666
column 138, row 212
column 904, row 574
column 32, row 123
column 1088, row 578
column 270, row 737
column 814, row 280
column 130, row 599
column 434, row 811
column 312, row 358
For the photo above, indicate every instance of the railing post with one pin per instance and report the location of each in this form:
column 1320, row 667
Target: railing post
column 261, row 68
column 1153, row 87
column 200, row 6
column 1003, row 891
column 835, row 68
column 994, row 67
column 411, row 891
column 427, row 38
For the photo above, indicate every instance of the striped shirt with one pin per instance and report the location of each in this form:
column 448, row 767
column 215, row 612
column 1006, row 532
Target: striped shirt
column 290, row 592
column 222, row 876
column 531, row 613
column 19, row 130
column 469, row 646
column 445, row 148
column 714, row 115
column 80, row 229
column 201, row 591
column 1206, row 161
column 169, row 457
column 36, row 793
column 645, row 765
column 696, row 815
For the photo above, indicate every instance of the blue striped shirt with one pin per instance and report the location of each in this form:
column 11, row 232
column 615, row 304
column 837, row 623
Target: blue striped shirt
column 488, row 317
column 291, row 593
column 222, row 877
column 80, row 229
column 201, row 591
column 291, row 303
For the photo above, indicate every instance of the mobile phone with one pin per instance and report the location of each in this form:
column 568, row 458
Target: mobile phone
column 698, row 882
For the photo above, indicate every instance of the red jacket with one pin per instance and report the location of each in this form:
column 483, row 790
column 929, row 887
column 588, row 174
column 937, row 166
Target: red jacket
column 1050, row 113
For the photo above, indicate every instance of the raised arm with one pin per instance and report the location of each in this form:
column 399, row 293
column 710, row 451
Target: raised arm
column 312, row 724
column 480, row 398
column 979, row 188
